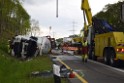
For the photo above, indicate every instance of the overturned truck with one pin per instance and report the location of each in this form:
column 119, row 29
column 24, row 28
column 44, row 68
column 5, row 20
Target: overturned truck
column 28, row 46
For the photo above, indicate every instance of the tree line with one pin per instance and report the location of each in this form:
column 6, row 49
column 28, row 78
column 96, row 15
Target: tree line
column 13, row 19
column 112, row 13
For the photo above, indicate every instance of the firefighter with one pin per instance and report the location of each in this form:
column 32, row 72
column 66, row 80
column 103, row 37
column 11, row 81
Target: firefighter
column 84, row 50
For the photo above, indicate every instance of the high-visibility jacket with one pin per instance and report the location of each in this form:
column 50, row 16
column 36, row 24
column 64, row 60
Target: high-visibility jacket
column 85, row 48
column 84, row 44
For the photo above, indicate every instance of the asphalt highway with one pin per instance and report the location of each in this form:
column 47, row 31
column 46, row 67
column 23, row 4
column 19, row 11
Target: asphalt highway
column 92, row 71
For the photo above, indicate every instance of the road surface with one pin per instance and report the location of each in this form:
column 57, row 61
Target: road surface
column 93, row 72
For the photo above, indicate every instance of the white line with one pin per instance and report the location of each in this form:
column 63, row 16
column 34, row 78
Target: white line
column 117, row 69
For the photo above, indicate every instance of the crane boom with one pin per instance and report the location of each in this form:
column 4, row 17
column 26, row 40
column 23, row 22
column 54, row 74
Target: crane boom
column 86, row 12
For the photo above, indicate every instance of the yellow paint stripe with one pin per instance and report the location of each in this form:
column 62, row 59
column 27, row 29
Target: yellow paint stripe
column 76, row 74
column 63, row 63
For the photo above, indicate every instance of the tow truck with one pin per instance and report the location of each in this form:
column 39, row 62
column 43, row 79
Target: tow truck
column 103, row 41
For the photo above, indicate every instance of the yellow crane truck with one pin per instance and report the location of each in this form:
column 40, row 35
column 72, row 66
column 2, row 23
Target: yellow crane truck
column 107, row 44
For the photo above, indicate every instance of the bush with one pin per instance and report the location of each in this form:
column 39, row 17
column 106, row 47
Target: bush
column 3, row 46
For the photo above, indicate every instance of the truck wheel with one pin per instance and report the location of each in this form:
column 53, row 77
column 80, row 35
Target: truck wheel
column 105, row 57
column 90, row 54
column 93, row 56
column 112, row 61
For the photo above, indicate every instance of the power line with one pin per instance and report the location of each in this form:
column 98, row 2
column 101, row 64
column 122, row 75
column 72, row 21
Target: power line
column 73, row 27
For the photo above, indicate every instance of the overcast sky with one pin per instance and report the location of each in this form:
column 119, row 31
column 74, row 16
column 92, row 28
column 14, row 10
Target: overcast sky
column 70, row 15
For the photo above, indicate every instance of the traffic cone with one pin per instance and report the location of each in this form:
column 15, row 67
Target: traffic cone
column 71, row 75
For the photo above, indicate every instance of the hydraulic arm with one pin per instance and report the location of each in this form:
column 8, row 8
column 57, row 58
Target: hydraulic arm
column 86, row 13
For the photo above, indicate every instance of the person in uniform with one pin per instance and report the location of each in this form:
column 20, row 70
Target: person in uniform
column 84, row 50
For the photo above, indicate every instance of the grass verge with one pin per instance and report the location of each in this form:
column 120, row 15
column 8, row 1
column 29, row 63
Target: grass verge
column 13, row 70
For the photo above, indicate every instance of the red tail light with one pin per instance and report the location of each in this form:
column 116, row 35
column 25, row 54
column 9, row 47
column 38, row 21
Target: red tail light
column 120, row 49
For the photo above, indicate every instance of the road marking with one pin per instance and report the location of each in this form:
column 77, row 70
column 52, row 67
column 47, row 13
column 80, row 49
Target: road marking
column 114, row 68
column 96, row 62
column 76, row 74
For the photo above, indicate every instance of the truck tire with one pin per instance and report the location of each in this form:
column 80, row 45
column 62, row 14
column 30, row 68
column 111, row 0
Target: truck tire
column 93, row 56
column 112, row 61
column 90, row 54
column 106, row 56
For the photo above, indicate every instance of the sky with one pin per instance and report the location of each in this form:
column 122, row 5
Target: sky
column 70, row 15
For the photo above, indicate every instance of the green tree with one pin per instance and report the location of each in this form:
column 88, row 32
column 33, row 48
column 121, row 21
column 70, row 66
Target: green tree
column 13, row 19
column 112, row 14
column 34, row 27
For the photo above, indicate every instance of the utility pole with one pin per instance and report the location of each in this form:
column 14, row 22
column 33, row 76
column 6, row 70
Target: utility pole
column 50, row 29
column 54, row 34
column 57, row 8
column 73, row 27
